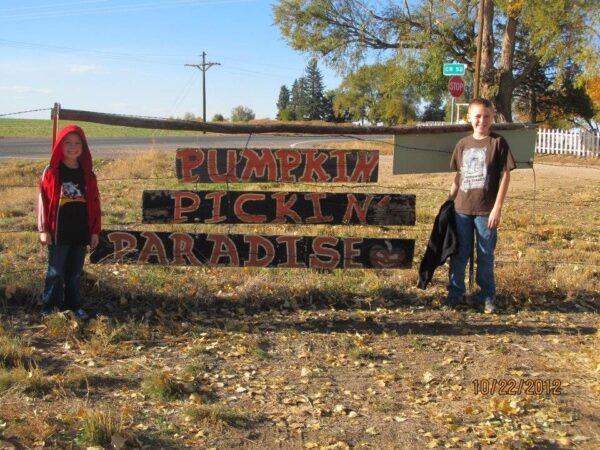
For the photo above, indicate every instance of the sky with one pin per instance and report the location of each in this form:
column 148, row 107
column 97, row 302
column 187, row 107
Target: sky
column 129, row 56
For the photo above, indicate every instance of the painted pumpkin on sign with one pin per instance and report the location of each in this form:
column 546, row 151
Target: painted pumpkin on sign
column 387, row 257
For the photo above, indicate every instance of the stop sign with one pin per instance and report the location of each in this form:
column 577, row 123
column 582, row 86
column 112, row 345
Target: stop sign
column 456, row 86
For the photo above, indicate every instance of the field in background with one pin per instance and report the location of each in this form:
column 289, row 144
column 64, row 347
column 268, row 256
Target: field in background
column 254, row 358
column 31, row 128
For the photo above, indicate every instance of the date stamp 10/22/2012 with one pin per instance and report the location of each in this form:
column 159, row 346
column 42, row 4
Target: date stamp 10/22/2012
column 517, row 386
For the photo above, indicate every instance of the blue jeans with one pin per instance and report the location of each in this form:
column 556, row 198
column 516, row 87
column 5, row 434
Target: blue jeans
column 65, row 265
column 486, row 244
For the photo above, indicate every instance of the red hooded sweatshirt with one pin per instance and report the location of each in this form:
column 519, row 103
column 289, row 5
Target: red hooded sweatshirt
column 49, row 196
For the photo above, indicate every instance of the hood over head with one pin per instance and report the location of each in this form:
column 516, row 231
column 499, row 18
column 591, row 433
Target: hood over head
column 85, row 159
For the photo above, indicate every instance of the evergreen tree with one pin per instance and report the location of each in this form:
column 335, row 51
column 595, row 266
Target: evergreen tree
column 283, row 101
column 313, row 83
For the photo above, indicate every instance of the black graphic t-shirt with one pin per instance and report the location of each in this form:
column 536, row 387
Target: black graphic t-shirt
column 72, row 227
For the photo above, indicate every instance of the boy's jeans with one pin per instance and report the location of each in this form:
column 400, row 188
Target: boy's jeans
column 486, row 244
column 65, row 264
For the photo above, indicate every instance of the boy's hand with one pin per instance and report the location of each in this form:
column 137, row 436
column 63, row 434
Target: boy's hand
column 494, row 219
column 93, row 241
column 45, row 238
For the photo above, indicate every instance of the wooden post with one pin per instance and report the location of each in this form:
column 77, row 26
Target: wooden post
column 55, row 120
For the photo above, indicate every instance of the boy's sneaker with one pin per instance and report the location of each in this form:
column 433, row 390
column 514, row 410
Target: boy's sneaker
column 489, row 306
column 81, row 314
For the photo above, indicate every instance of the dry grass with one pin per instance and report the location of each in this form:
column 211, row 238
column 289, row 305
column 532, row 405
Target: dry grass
column 238, row 358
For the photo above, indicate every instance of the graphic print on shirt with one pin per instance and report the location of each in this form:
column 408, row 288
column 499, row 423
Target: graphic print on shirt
column 473, row 170
column 70, row 192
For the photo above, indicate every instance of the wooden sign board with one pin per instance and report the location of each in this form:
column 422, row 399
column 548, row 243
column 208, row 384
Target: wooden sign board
column 222, row 165
column 237, row 250
column 277, row 207
column 430, row 153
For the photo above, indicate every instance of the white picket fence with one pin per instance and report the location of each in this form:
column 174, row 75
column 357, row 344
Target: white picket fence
column 568, row 142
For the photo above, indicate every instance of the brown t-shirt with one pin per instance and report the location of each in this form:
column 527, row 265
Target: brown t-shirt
column 480, row 163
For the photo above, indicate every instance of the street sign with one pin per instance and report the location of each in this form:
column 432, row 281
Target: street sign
column 456, row 86
column 452, row 69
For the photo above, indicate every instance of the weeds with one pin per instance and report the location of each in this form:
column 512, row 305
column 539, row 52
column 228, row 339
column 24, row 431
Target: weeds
column 217, row 414
column 31, row 381
column 162, row 385
column 98, row 427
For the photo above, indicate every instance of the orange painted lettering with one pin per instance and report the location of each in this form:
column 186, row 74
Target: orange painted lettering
column 283, row 208
column 366, row 164
column 259, row 244
column 291, row 251
column 183, row 248
column 323, row 256
column 153, row 247
column 180, row 210
column 259, row 165
column 223, row 247
column 238, row 208
column 190, row 158
column 314, row 164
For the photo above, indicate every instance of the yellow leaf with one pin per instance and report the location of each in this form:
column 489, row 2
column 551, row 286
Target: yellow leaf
column 433, row 444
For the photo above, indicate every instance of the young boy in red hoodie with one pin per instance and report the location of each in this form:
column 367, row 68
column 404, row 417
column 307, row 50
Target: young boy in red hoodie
column 68, row 218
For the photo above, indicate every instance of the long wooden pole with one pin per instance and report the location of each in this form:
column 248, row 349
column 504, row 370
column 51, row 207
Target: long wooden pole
column 288, row 128
column 479, row 49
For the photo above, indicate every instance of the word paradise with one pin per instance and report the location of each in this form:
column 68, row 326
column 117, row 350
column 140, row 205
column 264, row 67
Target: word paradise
column 237, row 250
column 277, row 207
column 219, row 165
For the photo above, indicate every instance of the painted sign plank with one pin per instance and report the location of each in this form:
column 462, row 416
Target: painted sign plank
column 430, row 153
column 222, row 165
column 277, row 207
column 238, row 250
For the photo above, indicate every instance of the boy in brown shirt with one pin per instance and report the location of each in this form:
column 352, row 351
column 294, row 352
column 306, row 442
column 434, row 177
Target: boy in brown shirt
column 483, row 162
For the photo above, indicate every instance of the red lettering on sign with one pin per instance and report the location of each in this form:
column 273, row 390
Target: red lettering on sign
column 183, row 246
column 365, row 165
column 314, row 165
column 288, row 161
column 291, row 251
column 216, row 197
column 153, row 247
column 283, row 208
column 256, row 244
column 179, row 210
column 223, row 247
column 123, row 243
column 229, row 174
column 318, row 217
column 190, row 159
column 259, row 165
column 244, row 216
column 361, row 210
column 331, row 255
column 341, row 165
column 350, row 252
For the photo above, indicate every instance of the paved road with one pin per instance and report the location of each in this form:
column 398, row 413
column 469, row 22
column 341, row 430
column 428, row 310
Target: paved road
column 39, row 148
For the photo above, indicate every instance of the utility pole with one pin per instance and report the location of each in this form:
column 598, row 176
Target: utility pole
column 476, row 81
column 203, row 68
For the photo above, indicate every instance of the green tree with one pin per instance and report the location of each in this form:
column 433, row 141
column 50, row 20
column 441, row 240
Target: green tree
column 378, row 93
column 420, row 36
column 218, row 118
column 242, row 113
column 313, row 84
column 283, row 102
column 434, row 112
